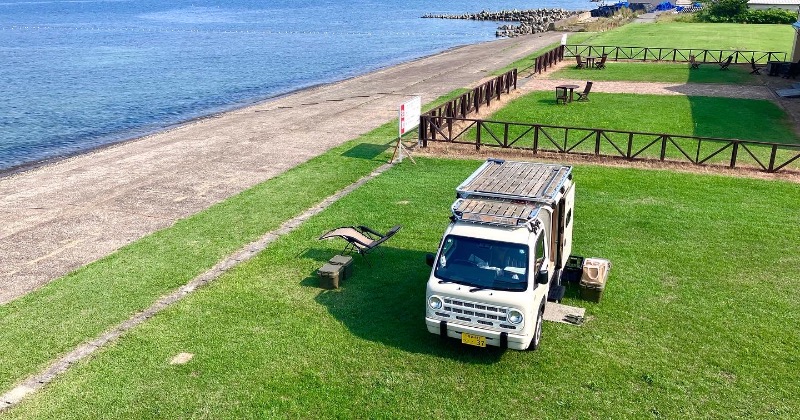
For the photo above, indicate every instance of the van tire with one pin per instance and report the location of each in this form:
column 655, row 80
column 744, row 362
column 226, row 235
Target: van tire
column 537, row 332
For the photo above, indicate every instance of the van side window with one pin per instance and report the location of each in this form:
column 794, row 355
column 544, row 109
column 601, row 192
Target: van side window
column 569, row 218
column 540, row 254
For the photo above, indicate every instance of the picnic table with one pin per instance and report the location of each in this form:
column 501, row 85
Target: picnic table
column 590, row 61
column 565, row 92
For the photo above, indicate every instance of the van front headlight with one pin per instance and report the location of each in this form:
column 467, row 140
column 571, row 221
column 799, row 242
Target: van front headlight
column 435, row 302
column 515, row 317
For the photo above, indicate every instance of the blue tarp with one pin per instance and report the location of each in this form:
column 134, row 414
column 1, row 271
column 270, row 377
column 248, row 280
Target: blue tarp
column 665, row 6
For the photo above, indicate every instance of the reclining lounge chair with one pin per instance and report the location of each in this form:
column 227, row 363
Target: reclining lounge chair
column 360, row 238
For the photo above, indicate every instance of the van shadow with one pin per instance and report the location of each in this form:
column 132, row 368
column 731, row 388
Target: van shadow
column 384, row 302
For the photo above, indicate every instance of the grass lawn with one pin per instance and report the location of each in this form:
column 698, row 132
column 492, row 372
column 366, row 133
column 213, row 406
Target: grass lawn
column 52, row 320
column 698, row 319
column 687, row 115
column 721, row 36
column 659, row 72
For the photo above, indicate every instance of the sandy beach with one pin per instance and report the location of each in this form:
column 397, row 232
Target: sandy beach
column 64, row 215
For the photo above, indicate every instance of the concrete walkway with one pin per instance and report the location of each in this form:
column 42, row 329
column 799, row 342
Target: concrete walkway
column 657, row 88
column 62, row 216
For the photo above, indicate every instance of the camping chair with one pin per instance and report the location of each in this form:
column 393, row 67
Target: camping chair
column 602, row 63
column 756, row 70
column 581, row 64
column 584, row 96
column 724, row 65
column 360, row 238
column 693, row 62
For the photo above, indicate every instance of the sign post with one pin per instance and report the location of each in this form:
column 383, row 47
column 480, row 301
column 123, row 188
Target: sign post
column 408, row 117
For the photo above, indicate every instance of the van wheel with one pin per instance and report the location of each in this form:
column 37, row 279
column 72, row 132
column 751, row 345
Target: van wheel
column 537, row 333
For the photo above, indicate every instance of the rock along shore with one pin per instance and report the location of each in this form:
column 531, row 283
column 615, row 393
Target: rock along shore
column 530, row 21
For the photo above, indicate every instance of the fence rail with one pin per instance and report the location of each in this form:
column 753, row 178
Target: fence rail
column 631, row 145
column 672, row 54
column 471, row 102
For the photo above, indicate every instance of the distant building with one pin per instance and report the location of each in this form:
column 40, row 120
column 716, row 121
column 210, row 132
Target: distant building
column 792, row 5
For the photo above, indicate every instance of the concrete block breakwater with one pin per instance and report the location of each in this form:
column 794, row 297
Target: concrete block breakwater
column 530, row 21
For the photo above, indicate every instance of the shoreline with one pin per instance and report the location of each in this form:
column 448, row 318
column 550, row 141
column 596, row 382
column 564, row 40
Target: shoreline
column 68, row 213
column 42, row 163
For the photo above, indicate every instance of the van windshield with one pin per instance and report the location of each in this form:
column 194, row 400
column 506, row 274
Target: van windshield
column 483, row 263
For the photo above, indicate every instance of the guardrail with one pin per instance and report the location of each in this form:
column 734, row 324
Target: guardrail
column 630, row 145
column 672, row 54
column 472, row 101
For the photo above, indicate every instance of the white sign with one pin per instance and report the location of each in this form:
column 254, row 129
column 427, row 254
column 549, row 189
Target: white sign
column 564, row 39
column 409, row 114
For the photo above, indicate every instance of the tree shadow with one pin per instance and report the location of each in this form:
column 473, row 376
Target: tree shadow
column 384, row 302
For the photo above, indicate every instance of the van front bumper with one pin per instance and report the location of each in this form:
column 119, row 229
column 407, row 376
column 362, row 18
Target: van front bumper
column 493, row 338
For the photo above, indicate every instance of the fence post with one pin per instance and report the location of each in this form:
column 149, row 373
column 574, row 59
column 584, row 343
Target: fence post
column 663, row 146
column 423, row 130
column 535, row 139
column 505, row 135
column 772, row 158
column 478, row 138
column 630, row 145
column 515, row 78
column 734, row 153
column 597, row 143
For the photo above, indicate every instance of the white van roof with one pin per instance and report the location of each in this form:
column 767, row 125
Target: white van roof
column 510, row 194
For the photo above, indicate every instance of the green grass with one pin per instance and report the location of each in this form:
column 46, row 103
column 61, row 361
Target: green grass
column 724, row 36
column 660, row 72
column 52, row 320
column 686, row 115
column 697, row 319
column 525, row 63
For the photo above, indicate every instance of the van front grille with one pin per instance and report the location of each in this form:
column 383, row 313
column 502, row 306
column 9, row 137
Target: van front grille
column 476, row 314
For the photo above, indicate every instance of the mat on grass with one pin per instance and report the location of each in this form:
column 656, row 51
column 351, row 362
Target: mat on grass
column 564, row 314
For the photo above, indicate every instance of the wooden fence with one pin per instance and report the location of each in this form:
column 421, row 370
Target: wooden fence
column 471, row 102
column 548, row 59
column 631, row 145
column 672, row 54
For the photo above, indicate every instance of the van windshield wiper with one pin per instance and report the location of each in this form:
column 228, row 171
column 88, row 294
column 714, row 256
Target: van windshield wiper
column 476, row 289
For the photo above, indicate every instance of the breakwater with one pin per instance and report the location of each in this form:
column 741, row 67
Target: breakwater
column 530, row 21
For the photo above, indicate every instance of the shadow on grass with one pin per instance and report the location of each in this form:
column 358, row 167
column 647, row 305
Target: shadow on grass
column 384, row 302
column 367, row 151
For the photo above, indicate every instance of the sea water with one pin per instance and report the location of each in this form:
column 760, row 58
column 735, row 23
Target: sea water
column 78, row 74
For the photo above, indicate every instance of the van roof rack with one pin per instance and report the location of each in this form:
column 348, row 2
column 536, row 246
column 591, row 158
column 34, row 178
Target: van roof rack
column 492, row 211
column 518, row 181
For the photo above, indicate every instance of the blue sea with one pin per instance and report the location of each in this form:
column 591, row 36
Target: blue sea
column 79, row 74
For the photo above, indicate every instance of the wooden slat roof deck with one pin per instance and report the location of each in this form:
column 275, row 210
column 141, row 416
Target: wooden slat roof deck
column 518, row 180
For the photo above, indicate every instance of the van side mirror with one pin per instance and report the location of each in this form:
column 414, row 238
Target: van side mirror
column 542, row 277
column 429, row 258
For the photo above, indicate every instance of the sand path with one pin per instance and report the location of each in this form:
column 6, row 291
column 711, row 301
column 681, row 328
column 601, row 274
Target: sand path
column 61, row 216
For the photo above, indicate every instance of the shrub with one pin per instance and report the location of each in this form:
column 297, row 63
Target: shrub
column 769, row 16
column 722, row 11
column 736, row 11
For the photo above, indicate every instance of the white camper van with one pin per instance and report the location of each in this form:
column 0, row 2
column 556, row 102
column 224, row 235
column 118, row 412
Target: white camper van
column 501, row 257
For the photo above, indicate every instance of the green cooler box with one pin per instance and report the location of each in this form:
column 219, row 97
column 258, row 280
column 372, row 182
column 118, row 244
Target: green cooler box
column 593, row 278
column 345, row 261
column 329, row 276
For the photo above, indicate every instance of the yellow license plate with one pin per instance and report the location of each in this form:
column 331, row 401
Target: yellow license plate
column 473, row 340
